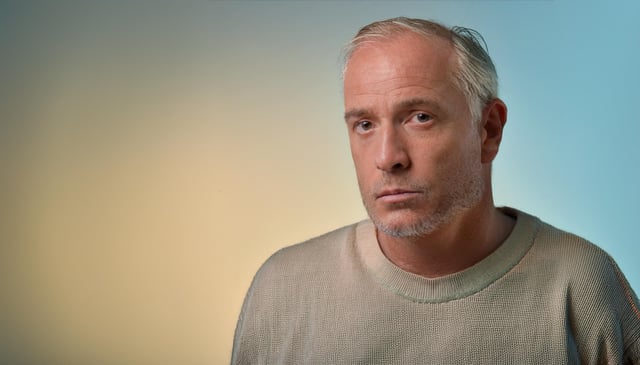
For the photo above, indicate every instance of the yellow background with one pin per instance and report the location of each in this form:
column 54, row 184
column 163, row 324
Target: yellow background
column 155, row 153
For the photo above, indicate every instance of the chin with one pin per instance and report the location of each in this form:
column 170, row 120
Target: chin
column 406, row 225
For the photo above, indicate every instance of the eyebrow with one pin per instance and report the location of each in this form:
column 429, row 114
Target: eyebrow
column 412, row 103
column 354, row 113
column 403, row 105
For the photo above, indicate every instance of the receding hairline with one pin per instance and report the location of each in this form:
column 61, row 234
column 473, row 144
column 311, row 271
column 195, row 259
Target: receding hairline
column 472, row 70
column 391, row 38
column 448, row 43
column 368, row 36
column 451, row 68
column 371, row 41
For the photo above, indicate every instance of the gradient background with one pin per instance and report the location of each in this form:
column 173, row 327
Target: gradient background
column 155, row 153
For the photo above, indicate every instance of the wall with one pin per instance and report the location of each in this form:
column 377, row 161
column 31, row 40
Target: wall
column 155, row 153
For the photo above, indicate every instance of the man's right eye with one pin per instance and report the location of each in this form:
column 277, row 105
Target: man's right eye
column 363, row 126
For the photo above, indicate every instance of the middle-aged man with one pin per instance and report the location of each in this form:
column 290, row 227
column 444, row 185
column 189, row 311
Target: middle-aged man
column 438, row 275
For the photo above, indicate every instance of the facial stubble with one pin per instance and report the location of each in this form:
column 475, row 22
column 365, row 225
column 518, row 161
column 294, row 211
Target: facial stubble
column 464, row 188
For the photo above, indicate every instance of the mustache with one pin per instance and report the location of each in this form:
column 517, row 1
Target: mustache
column 399, row 183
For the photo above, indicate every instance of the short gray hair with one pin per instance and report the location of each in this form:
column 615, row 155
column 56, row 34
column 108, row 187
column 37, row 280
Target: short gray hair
column 475, row 75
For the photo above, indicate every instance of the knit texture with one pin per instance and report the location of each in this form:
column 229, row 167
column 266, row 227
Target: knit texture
column 543, row 297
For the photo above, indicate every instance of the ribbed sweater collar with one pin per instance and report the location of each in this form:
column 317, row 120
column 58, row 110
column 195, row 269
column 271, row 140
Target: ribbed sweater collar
column 449, row 287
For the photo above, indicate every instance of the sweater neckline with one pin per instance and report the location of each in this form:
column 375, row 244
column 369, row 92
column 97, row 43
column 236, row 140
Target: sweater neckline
column 454, row 286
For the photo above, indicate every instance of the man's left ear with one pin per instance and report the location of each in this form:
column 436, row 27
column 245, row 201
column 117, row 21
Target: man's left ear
column 494, row 117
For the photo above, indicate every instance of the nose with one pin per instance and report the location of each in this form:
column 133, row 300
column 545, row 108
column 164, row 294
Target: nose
column 391, row 154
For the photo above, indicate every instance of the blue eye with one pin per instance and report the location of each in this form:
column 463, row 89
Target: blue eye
column 422, row 117
column 363, row 126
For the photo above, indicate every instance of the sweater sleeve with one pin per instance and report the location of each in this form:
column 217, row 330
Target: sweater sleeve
column 603, row 309
column 632, row 355
column 244, row 345
column 252, row 340
column 251, row 343
column 629, row 317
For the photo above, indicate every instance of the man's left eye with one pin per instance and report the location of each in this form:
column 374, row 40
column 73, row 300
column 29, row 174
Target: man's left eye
column 422, row 117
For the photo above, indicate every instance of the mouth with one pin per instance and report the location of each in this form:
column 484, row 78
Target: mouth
column 396, row 195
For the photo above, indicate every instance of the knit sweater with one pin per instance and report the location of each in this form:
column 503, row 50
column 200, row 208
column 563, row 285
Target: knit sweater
column 543, row 297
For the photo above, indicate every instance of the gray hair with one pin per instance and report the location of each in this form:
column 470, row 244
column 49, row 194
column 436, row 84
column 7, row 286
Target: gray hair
column 475, row 75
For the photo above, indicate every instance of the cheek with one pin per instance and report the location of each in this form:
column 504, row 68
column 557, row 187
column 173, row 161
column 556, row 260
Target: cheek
column 430, row 154
column 445, row 156
column 361, row 153
column 363, row 172
column 356, row 156
column 361, row 164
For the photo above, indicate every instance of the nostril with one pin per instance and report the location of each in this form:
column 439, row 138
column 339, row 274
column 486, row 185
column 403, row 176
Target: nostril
column 397, row 166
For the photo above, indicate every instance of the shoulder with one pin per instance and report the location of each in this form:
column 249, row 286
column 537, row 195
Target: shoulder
column 585, row 267
column 573, row 253
column 320, row 245
column 589, row 275
column 292, row 275
column 554, row 248
column 302, row 263
column 554, row 251
column 567, row 262
column 318, row 249
column 600, row 300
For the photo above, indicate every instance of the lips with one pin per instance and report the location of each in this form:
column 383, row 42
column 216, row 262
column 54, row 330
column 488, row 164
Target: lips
column 396, row 195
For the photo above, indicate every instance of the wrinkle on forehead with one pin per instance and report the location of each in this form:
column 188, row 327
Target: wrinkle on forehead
column 385, row 73
column 408, row 60
column 393, row 85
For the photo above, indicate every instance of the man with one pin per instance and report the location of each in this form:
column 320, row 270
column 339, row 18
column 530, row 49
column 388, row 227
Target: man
column 438, row 274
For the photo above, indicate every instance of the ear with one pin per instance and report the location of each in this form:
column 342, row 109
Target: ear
column 494, row 117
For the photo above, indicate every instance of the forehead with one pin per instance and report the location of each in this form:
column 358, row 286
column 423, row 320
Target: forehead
column 408, row 57
column 405, row 66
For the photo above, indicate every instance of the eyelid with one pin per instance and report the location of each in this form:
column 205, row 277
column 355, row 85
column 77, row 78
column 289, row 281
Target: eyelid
column 352, row 120
column 413, row 114
column 357, row 124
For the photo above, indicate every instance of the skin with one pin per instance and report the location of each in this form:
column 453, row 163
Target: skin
column 423, row 165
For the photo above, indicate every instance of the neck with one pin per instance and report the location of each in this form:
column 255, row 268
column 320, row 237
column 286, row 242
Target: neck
column 467, row 239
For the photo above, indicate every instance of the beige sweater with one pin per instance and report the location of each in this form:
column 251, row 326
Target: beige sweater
column 543, row 297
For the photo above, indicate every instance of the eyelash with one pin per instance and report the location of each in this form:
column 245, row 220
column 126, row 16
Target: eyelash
column 429, row 116
column 359, row 125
